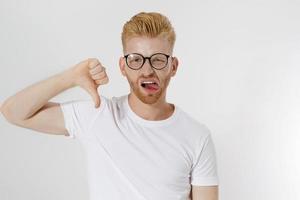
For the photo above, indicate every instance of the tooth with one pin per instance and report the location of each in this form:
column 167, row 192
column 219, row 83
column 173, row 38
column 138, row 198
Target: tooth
column 148, row 81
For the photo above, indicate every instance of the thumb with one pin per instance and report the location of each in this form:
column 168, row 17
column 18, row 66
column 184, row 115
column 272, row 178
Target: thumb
column 92, row 90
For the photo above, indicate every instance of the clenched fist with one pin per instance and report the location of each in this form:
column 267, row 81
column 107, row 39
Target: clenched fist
column 89, row 74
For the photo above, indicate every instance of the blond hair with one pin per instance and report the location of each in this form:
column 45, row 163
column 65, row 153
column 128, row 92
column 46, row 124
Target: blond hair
column 151, row 24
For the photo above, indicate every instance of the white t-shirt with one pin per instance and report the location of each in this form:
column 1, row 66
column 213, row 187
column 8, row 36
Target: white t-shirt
column 131, row 158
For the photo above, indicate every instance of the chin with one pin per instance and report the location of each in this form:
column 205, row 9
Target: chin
column 147, row 98
column 150, row 99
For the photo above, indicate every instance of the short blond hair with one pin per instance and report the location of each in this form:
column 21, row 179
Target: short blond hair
column 151, row 24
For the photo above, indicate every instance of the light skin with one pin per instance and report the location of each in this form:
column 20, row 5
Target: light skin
column 31, row 107
column 155, row 107
column 146, row 105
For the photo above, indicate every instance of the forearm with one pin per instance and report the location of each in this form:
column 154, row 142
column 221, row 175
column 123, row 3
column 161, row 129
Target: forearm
column 205, row 193
column 28, row 101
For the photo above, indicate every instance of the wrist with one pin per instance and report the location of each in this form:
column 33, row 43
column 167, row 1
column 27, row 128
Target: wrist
column 68, row 77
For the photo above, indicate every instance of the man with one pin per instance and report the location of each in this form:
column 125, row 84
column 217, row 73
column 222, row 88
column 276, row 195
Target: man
column 138, row 146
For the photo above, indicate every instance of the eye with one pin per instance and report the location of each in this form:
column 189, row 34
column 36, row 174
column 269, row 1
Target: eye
column 158, row 60
column 137, row 59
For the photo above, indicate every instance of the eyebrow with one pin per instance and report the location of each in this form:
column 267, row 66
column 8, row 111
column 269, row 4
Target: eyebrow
column 148, row 56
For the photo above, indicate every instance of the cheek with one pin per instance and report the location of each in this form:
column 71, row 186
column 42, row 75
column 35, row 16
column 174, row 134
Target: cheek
column 131, row 75
column 167, row 71
column 164, row 74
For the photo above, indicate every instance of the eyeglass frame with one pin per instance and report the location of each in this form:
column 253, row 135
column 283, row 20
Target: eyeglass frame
column 149, row 58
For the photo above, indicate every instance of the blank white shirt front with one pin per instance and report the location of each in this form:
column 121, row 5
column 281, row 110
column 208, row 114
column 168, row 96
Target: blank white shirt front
column 131, row 158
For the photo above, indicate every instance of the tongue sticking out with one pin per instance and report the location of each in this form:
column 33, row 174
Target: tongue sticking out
column 151, row 86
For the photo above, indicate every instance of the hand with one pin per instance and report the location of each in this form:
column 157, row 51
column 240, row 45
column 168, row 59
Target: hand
column 89, row 74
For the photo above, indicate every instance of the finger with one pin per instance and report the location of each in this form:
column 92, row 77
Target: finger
column 97, row 102
column 92, row 90
column 93, row 66
column 99, row 76
column 96, row 70
column 92, row 63
column 102, row 81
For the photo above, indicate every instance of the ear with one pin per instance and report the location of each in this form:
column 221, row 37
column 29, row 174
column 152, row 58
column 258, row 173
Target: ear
column 122, row 65
column 174, row 66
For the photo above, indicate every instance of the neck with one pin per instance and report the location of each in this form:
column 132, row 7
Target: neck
column 158, row 111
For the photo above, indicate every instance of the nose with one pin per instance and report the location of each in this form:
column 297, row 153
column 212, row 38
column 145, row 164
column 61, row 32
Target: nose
column 147, row 68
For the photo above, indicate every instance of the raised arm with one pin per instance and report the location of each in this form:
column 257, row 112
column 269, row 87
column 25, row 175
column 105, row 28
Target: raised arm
column 30, row 107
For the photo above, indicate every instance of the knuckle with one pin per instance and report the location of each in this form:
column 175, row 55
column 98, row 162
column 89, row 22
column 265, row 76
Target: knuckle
column 96, row 76
column 93, row 65
column 93, row 62
column 97, row 81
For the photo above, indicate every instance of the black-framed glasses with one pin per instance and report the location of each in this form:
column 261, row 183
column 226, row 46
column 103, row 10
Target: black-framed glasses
column 136, row 61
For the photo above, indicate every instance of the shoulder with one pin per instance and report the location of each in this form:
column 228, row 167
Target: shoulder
column 114, row 101
column 86, row 106
column 89, row 105
column 193, row 125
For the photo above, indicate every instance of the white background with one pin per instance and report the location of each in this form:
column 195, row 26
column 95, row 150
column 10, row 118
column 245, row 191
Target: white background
column 239, row 74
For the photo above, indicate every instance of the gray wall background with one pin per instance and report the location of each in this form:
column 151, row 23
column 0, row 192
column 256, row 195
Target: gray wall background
column 238, row 74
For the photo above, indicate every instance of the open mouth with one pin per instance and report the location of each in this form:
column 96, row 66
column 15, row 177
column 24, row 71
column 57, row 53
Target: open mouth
column 150, row 85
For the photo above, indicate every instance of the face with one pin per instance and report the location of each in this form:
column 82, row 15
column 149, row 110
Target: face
column 147, row 47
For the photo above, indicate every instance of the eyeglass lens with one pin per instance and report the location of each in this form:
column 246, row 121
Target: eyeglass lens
column 158, row 61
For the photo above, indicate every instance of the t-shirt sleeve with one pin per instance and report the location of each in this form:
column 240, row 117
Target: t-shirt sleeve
column 79, row 115
column 204, row 170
